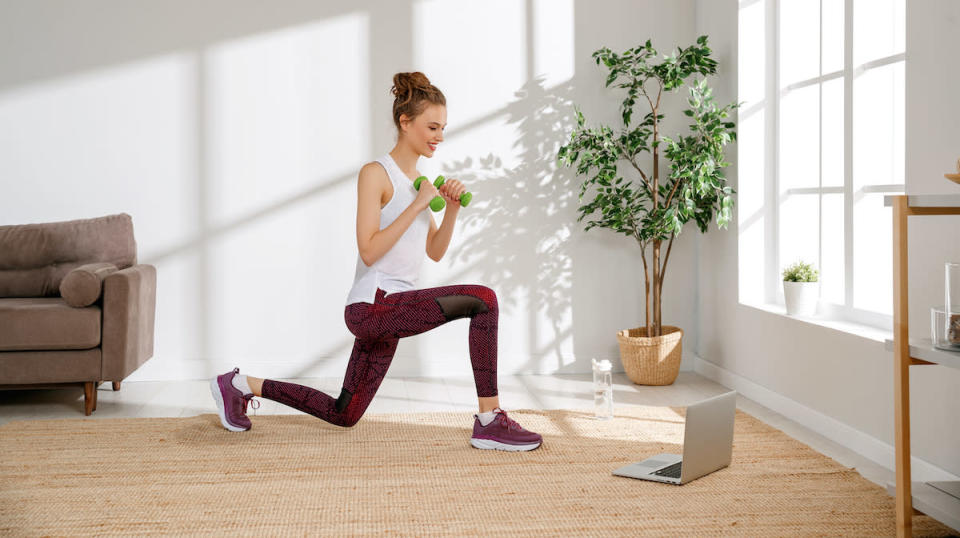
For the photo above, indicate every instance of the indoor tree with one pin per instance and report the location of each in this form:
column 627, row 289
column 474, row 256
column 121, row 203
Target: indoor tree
column 650, row 206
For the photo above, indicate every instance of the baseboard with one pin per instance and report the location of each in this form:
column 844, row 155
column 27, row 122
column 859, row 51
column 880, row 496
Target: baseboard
column 403, row 366
column 866, row 445
column 205, row 369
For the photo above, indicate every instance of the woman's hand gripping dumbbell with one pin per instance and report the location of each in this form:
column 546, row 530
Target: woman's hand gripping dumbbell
column 438, row 202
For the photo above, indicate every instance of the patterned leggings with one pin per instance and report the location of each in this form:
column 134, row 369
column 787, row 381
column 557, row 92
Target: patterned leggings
column 379, row 327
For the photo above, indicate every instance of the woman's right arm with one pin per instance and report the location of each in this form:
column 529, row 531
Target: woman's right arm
column 372, row 242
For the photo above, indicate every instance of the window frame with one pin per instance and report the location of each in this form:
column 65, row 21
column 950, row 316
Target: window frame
column 849, row 72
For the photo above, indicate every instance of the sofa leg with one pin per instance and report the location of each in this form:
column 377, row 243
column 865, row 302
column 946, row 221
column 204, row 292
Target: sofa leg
column 89, row 397
column 116, row 385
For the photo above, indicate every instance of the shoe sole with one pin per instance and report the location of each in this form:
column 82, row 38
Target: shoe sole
column 217, row 397
column 490, row 444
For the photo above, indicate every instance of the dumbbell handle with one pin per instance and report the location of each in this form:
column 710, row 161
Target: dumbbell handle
column 438, row 202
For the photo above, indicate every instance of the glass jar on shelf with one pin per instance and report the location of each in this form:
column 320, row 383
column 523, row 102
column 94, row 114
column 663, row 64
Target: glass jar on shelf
column 945, row 321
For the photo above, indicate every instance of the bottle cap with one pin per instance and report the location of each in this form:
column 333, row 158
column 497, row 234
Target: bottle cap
column 603, row 365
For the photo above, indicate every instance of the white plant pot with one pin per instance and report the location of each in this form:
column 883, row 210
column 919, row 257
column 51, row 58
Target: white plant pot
column 801, row 298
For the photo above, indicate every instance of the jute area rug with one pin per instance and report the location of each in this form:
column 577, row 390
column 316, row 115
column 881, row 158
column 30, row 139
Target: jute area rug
column 416, row 474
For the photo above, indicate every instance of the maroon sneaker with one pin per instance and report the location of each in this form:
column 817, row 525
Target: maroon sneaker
column 231, row 403
column 503, row 433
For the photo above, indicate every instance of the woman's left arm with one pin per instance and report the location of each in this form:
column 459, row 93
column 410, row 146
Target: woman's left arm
column 438, row 239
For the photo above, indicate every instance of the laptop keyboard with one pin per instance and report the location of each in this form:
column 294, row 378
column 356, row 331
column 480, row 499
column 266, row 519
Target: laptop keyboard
column 672, row 471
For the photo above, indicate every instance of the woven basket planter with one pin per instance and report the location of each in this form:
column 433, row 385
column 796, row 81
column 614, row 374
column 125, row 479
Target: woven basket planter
column 651, row 361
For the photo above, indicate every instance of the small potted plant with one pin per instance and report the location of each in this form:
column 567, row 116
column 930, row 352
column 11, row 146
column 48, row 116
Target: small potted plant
column 800, row 282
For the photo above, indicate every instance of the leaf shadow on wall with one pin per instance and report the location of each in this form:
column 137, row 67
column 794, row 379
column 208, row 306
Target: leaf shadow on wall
column 516, row 233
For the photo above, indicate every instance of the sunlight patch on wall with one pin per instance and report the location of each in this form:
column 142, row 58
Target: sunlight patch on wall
column 474, row 52
column 277, row 287
column 553, row 36
column 286, row 111
column 751, row 143
column 106, row 141
column 750, row 212
column 288, row 130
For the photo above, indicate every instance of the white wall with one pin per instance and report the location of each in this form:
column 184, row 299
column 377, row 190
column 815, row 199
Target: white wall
column 232, row 133
column 834, row 381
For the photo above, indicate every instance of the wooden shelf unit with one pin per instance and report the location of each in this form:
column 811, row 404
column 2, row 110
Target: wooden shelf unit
column 937, row 503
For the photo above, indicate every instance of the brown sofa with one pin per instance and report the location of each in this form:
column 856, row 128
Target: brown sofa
column 75, row 307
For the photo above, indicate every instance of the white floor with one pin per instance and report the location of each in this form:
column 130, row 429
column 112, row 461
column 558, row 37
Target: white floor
column 189, row 398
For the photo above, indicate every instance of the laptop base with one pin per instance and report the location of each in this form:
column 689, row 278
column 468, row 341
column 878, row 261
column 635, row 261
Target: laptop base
column 644, row 470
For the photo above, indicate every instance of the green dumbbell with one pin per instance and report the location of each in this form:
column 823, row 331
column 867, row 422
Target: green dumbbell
column 438, row 203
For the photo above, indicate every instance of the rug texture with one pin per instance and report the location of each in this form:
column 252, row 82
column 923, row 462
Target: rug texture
column 416, row 474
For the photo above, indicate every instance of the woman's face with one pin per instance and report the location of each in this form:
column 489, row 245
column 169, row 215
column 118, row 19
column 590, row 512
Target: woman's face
column 426, row 130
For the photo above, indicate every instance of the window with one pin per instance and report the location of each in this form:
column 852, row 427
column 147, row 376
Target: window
column 822, row 89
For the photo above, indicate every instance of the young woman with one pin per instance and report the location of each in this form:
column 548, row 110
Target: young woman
column 383, row 306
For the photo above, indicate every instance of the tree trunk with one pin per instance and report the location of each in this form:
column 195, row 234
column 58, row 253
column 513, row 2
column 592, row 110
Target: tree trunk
column 666, row 260
column 656, row 242
column 646, row 287
column 656, row 289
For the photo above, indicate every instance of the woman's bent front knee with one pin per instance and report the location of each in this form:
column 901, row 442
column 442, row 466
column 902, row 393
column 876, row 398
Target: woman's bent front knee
column 488, row 296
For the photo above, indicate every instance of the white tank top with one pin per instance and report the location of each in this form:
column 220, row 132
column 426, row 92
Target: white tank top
column 399, row 268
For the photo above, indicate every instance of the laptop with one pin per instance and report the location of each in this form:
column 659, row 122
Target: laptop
column 707, row 445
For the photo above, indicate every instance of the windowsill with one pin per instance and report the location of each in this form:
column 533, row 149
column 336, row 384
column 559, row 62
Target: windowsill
column 868, row 332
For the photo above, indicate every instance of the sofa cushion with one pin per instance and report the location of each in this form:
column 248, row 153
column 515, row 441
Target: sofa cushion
column 34, row 258
column 47, row 323
column 83, row 286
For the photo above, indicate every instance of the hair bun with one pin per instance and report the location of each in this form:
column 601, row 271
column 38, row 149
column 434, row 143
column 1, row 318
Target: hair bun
column 404, row 84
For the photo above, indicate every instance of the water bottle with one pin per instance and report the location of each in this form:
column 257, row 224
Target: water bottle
column 602, row 389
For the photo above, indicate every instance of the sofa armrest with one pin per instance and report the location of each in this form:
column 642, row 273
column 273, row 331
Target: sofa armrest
column 129, row 310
